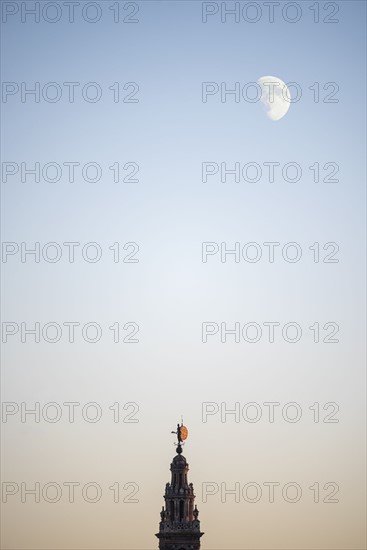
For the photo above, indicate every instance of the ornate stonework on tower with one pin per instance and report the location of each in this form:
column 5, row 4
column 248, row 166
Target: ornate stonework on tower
column 179, row 528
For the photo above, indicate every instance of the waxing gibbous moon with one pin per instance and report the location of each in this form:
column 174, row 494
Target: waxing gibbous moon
column 275, row 96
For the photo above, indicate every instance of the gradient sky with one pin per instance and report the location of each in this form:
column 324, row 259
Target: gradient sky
column 170, row 292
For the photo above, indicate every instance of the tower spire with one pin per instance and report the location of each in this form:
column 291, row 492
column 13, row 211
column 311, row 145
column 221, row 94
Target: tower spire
column 179, row 527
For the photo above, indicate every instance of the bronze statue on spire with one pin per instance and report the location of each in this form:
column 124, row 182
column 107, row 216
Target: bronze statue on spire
column 182, row 433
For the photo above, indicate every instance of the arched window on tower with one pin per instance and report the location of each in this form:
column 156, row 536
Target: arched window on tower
column 181, row 510
column 171, row 510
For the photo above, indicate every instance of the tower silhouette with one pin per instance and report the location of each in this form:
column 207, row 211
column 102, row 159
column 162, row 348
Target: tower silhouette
column 179, row 528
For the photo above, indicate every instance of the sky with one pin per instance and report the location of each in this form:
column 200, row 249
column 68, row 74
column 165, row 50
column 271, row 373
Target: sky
column 148, row 253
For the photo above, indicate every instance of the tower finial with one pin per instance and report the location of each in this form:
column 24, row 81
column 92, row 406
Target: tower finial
column 182, row 433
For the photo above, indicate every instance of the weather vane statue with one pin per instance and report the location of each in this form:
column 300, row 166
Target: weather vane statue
column 182, row 433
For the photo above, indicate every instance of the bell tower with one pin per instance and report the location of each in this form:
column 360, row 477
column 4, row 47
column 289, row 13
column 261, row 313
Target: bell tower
column 179, row 528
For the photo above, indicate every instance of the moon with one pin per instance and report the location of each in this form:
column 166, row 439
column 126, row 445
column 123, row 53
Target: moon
column 275, row 96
